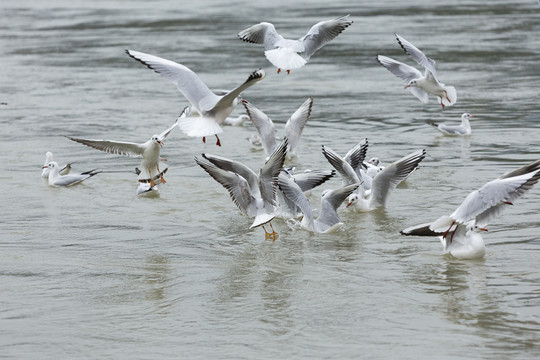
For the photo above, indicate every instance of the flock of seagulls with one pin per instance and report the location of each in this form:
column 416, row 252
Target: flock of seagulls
column 277, row 191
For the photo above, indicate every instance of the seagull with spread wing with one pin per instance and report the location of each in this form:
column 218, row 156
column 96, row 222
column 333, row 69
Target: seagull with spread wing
column 254, row 194
column 419, row 85
column 460, row 231
column 149, row 151
column 213, row 108
column 290, row 54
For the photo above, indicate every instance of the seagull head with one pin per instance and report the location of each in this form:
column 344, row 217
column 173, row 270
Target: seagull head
column 411, row 83
column 466, row 116
column 353, row 198
column 374, row 161
column 158, row 140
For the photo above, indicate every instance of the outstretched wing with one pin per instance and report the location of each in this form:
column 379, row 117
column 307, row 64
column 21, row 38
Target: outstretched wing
column 386, row 180
column 268, row 175
column 236, row 185
column 227, row 101
column 264, row 125
column 321, row 33
column 262, row 33
column 189, row 84
column 297, row 122
column 417, row 55
column 113, row 147
column 487, row 202
column 346, row 171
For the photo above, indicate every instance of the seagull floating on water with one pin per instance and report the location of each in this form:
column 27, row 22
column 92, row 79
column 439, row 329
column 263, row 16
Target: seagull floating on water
column 462, row 129
column 419, row 85
column 460, row 231
column 64, row 170
column 213, row 108
column 58, row 180
column 254, row 194
column 290, row 54
column 149, row 151
column 293, row 127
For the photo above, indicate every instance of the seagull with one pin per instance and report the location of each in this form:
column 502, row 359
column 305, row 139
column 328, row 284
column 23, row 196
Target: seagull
column 254, row 194
column 460, row 232
column 328, row 220
column 289, row 54
column 463, row 129
column 149, row 151
column 57, row 180
column 48, row 158
column 419, row 85
column 293, row 127
column 383, row 183
column 212, row 108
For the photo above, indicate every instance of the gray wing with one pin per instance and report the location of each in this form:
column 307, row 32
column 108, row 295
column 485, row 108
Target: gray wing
column 296, row 123
column 347, row 173
column 189, row 84
column 330, row 202
column 309, row 180
column 183, row 114
column 235, row 167
column 269, row 173
column 356, row 156
column 264, row 125
column 405, row 73
column 451, row 129
column 321, row 33
column 228, row 100
column 113, row 147
column 386, row 180
column 262, row 33
column 487, row 202
column 294, row 193
column 236, row 185
column 417, row 55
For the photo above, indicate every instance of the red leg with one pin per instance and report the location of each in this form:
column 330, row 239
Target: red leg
column 288, row 72
column 447, row 231
column 218, row 143
column 278, row 70
column 447, row 96
column 204, row 139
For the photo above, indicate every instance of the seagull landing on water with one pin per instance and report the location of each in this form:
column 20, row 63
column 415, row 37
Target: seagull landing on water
column 254, row 194
column 213, row 108
column 57, row 180
column 149, row 151
column 460, row 231
column 462, row 129
column 290, row 54
column 419, row 85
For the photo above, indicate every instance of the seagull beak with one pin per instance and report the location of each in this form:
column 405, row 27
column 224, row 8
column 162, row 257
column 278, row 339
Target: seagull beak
column 160, row 143
column 407, row 86
column 45, row 167
column 348, row 204
column 483, row 229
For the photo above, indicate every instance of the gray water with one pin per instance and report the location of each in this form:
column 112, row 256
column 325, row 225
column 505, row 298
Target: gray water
column 93, row 272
